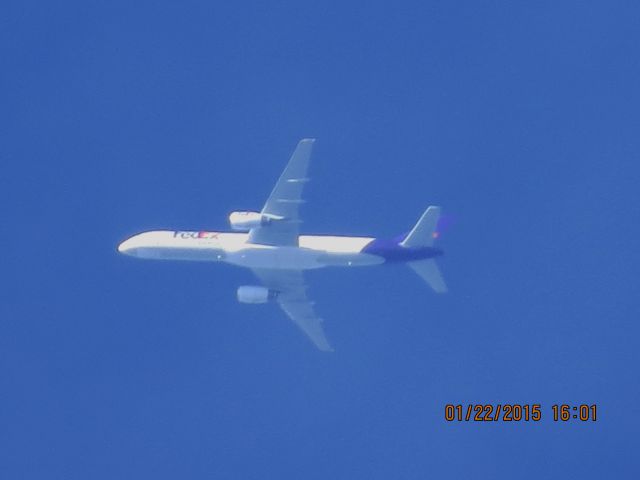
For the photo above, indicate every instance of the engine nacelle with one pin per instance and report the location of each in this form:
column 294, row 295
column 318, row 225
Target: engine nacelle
column 255, row 294
column 245, row 221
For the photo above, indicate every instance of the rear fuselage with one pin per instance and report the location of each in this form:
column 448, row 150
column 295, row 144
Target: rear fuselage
column 313, row 251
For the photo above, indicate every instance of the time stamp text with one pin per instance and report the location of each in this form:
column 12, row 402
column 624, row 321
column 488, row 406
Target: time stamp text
column 515, row 412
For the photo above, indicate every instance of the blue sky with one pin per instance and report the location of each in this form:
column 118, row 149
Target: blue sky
column 519, row 118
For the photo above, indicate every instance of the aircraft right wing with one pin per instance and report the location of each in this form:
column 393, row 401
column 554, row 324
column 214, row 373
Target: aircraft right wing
column 283, row 204
column 292, row 298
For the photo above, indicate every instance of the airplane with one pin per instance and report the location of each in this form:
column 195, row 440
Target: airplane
column 270, row 244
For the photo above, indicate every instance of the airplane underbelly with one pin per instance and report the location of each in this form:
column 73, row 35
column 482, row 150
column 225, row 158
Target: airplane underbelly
column 173, row 253
column 292, row 258
column 333, row 259
column 286, row 258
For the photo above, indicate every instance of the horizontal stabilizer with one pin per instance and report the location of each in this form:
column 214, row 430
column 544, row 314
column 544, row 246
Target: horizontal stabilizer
column 429, row 271
column 422, row 234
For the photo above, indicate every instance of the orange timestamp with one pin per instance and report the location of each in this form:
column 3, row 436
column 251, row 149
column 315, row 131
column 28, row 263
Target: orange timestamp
column 516, row 412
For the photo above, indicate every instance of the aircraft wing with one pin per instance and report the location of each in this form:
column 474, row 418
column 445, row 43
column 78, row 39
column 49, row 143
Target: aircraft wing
column 283, row 204
column 292, row 298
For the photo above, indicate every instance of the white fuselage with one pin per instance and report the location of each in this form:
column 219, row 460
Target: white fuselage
column 314, row 251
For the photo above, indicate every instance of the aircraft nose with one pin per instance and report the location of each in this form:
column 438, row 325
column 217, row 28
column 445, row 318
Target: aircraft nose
column 125, row 247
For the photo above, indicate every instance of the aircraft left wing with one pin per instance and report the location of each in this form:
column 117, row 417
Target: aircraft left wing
column 292, row 298
column 283, row 204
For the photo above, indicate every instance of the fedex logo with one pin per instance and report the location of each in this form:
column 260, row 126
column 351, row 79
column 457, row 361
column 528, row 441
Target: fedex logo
column 205, row 235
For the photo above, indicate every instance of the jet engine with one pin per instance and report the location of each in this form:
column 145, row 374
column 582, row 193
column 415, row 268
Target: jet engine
column 255, row 294
column 245, row 221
